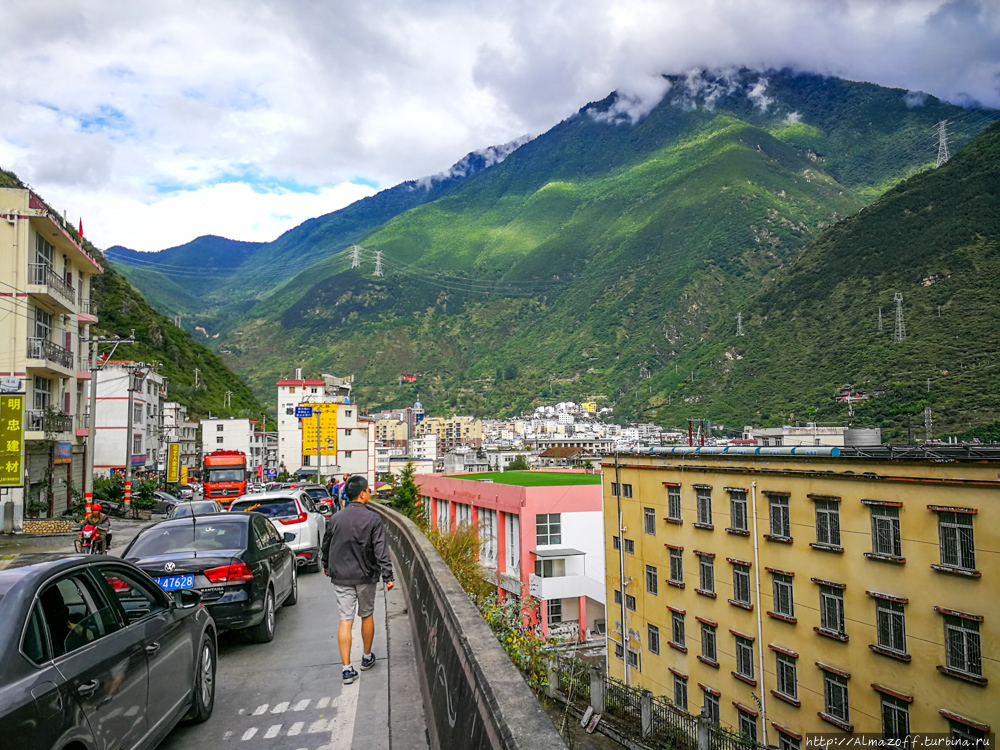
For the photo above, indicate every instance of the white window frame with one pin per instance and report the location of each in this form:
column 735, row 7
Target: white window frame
column 956, row 539
column 836, row 698
column 680, row 693
column 488, row 536
column 710, row 704
column 744, row 657
column 890, row 625
column 649, row 521
column 886, row 534
column 780, row 518
column 706, row 573
column 831, row 610
column 895, row 717
column 674, row 503
column 962, row 639
column 652, row 581
column 746, row 724
column 443, row 515
column 827, row 523
column 676, row 566
column 741, row 584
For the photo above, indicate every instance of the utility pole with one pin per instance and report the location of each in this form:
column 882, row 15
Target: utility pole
column 927, row 423
column 880, row 319
column 943, row 153
column 739, row 324
column 135, row 376
column 229, row 399
column 355, row 256
column 197, row 372
column 900, row 333
column 378, row 263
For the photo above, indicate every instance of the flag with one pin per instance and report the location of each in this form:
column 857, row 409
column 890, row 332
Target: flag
column 81, row 228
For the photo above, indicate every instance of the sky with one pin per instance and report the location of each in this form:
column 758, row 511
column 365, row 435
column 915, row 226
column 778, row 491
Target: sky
column 157, row 122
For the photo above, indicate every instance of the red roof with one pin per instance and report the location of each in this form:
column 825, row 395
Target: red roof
column 300, row 382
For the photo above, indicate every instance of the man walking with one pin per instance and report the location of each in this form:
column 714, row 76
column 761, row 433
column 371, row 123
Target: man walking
column 354, row 554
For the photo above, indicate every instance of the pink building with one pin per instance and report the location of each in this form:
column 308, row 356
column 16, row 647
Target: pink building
column 539, row 531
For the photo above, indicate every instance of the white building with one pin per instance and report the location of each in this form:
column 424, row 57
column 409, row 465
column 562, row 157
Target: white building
column 177, row 428
column 812, row 434
column 149, row 395
column 233, row 434
column 383, row 453
column 423, row 447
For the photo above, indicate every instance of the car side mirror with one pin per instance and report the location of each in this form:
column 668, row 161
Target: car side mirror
column 289, row 536
column 323, row 507
column 187, row 598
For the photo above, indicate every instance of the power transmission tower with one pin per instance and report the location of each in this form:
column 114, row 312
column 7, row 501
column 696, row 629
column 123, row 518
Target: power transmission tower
column 643, row 371
column 739, row 324
column 197, row 372
column 900, row 333
column 943, row 153
column 378, row 263
column 355, row 256
column 229, row 399
column 880, row 319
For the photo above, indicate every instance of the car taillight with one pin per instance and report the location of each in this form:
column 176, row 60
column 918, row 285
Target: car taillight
column 229, row 573
column 300, row 518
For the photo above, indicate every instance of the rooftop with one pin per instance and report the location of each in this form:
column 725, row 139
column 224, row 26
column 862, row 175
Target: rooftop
column 533, row 478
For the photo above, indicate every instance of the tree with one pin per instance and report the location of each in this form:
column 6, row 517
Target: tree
column 518, row 464
column 406, row 498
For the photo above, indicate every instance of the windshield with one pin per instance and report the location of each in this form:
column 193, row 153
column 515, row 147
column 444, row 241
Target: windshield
column 193, row 509
column 272, row 507
column 204, row 537
column 226, row 475
column 318, row 493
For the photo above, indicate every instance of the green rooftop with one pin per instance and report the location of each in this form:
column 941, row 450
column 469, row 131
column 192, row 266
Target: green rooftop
column 533, row 478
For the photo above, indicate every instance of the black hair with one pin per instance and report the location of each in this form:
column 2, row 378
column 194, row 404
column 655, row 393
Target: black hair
column 355, row 486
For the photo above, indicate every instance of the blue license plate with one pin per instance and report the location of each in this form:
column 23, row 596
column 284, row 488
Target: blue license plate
column 169, row 583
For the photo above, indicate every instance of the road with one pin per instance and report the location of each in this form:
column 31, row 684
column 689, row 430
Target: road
column 288, row 694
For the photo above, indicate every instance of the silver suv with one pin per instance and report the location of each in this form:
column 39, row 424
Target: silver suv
column 291, row 511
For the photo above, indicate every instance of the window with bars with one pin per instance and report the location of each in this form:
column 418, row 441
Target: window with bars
column 741, row 584
column 674, row 503
column 633, row 658
column 554, row 611
column 963, row 649
column 680, row 693
column 676, row 566
column 548, row 528
column 43, row 324
column 649, row 521
column 787, row 743
column 780, row 523
column 618, row 597
column 706, row 574
column 624, row 489
column 619, row 651
column 708, row 643
column 835, row 696
column 885, row 531
column 220, row 427
column 616, row 543
column 787, row 679
column 704, row 507
column 652, row 584
column 630, row 602
column 738, row 510
column 747, row 724
column 744, row 657
column 784, row 602
column 677, row 629
column 895, row 717
column 890, row 625
column 653, row 639
column 828, row 523
column 960, row 731
column 630, row 546
column 136, row 445
column 831, row 610
column 219, row 440
column 710, row 704
column 136, row 413
column 958, row 549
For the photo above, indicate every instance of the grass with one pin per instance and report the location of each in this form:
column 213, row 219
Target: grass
column 533, row 478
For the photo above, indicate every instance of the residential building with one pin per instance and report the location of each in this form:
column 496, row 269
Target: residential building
column 812, row 433
column 391, row 432
column 591, row 442
column 235, row 434
column 383, row 453
column 452, row 432
column 845, row 589
column 46, row 274
column 178, row 428
column 148, row 397
column 543, row 538
column 568, row 457
column 424, row 446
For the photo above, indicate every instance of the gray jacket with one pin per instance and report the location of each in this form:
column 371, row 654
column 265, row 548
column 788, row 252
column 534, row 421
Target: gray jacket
column 354, row 547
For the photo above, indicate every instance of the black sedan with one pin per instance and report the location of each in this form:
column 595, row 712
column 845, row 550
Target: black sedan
column 96, row 655
column 238, row 563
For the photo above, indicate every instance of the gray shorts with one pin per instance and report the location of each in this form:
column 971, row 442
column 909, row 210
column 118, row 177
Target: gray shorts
column 351, row 598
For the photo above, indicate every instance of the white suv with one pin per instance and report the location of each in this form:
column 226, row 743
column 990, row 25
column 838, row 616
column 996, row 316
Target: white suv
column 291, row 511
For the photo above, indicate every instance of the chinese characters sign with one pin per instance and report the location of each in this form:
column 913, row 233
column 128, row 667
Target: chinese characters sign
column 174, row 462
column 326, row 415
column 12, row 440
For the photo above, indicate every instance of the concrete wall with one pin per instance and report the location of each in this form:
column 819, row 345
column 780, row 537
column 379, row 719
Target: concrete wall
column 473, row 694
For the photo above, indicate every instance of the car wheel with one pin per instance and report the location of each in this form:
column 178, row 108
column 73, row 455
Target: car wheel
column 204, row 684
column 294, row 595
column 263, row 632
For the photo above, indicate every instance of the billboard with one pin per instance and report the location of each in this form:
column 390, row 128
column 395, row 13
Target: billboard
column 174, row 462
column 62, row 453
column 184, row 474
column 326, row 416
column 12, row 440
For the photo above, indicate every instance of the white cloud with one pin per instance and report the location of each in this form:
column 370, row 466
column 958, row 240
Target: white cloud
column 148, row 104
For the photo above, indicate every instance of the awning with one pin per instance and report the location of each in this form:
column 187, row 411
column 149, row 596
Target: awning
column 559, row 552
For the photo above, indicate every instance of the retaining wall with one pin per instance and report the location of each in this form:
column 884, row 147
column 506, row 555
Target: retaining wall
column 474, row 696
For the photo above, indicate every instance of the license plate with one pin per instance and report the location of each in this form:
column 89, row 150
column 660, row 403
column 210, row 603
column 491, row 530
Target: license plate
column 169, row 583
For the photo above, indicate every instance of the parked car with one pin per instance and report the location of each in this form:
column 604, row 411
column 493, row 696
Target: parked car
column 164, row 501
column 255, row 488
column 292, row 511
column 96, row 655
column 194, row 508
column 186, row 492
column 239, row 564
column 320, row 496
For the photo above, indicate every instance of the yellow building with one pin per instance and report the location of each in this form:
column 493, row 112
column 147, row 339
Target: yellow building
column 452, row 432
column 830, row 607
column 589, row 406
column 391, row 432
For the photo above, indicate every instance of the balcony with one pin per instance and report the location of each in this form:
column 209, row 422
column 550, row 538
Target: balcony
column 51, row 353
column 49, row 285
column 40, row 420
column 565, row 587
column 88, row 310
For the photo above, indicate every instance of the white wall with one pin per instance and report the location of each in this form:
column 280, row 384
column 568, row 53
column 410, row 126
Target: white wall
column 585, row 531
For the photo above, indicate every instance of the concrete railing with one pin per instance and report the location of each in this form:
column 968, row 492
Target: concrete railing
column 473, row 694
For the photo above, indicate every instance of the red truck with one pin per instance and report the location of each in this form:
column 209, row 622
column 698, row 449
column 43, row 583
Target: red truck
column 225, row 476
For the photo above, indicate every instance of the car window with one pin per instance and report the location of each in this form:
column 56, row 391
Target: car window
column 36, row 639
column 135, row 597
column 307, row 501
column 276, row 538
column 262, row 532
column 75, row 614
column 190, row 537
column 273, row 507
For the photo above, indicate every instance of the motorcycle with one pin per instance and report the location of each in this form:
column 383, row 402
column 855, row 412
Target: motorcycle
column 89, row 541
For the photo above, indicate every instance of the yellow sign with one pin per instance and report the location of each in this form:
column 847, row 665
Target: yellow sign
column 174, row 462
column 326, row 415
column 12, row 440
column 184, row 474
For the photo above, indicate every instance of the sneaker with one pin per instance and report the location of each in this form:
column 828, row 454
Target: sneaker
column 350, row 675
column 367, row 662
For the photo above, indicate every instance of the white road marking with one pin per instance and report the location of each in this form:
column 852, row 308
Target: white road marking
column 301, row 705
column 248, row 735
column 272, row 731
column 342, row 724
column 241, row 711
column 226, row 736
column 280, row 708
column 323, row 703
column 295, row 729
column 317, row 726
column 259, row 710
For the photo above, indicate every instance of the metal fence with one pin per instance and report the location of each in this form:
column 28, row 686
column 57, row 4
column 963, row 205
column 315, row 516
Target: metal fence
column 623, row 703
column 673, row 727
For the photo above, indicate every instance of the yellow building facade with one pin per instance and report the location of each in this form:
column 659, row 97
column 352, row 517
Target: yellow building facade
column 859, row 597
column 452, row 432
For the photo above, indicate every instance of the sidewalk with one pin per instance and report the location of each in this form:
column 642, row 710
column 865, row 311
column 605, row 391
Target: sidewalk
column 124, row 530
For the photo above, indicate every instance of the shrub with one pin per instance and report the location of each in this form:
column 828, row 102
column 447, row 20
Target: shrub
column 109, row 489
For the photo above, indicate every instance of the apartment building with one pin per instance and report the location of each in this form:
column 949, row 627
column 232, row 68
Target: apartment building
column 452, row 432
column 539, row 532
column 45, row 276
column 178, row 428
column 788, row 591
column 391, row 432
column 232, row 434
column 149, row 395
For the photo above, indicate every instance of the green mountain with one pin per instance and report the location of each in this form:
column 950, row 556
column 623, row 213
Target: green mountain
column 935, row 240
column 598, row 258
